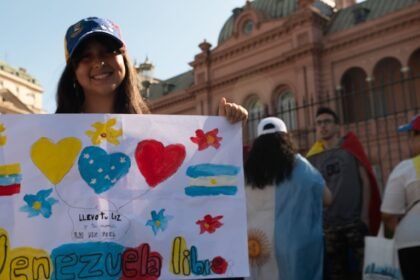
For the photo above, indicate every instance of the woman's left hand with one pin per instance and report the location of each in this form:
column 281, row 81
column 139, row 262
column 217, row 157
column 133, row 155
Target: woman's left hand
column 232, row 111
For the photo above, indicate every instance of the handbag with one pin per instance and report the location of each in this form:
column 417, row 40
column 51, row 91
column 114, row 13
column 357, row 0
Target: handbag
column 380, row 260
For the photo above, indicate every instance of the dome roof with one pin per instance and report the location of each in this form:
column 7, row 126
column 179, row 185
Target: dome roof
column 275, row 8
column 271, row 8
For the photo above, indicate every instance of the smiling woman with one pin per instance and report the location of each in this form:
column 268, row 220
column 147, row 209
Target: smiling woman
column 100, row 78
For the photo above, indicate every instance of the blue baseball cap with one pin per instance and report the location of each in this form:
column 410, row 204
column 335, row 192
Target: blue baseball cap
column 87, row 28
column 413, row 125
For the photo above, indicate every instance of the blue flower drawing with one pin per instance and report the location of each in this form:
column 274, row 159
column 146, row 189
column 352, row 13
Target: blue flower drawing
column 39, row 204
column 158, row 221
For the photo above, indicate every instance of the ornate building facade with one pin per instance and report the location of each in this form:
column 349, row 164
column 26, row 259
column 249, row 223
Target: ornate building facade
column 288, row 57
column 20, row 93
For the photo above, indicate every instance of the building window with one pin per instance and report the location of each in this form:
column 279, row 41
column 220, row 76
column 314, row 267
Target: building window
column 248, row 26
column 286, row 109
column 30, row 97
column 360, row 14
column 256, row 112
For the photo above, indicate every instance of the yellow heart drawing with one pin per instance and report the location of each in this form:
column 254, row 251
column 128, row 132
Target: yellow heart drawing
column 55, row 160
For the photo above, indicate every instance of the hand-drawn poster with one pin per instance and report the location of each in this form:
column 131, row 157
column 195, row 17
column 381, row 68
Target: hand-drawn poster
column 121, row 197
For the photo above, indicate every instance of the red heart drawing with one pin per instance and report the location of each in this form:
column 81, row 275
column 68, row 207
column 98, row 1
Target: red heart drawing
column 157, row 162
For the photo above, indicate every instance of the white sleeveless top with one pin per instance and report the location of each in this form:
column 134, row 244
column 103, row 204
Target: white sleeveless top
column 402, row 196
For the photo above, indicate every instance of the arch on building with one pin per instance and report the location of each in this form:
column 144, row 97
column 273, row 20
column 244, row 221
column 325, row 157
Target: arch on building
column 387, row 87
column 285, row 106
column 256, row 111
column 355, row 95
column 414, row 63
column 413, row 80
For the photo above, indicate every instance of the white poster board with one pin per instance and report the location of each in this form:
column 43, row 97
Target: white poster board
column 121, row 197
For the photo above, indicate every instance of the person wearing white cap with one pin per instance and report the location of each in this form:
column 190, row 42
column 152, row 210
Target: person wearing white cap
column 285, row 199
column 401, row 204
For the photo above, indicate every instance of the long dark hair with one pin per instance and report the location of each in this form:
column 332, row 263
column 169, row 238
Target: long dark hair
column 70, row 96
column 271, row 159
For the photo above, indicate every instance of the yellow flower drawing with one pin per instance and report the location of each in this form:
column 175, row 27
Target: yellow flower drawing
column 259, row 247
column 104, row 131
column 3, row 139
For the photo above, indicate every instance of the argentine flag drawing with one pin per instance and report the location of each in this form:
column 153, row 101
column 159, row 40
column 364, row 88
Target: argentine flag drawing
column 212, row 179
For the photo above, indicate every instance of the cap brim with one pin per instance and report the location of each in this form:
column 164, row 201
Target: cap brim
column 268, row 131
column 405, row 127
column 91, row 34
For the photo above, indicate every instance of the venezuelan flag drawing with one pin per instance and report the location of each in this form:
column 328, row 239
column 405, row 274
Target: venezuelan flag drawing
column 10, row 179
column 212, row 179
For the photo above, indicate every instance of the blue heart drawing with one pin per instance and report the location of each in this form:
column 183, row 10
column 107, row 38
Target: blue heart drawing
column 101, row 170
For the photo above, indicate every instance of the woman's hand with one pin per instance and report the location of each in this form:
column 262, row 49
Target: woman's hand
column 232, row 111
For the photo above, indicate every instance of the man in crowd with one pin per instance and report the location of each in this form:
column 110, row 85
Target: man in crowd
column 355, row 207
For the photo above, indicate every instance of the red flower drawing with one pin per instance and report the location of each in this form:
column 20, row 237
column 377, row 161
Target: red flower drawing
column 219, row 265
column 205, row 140
column 209, row 224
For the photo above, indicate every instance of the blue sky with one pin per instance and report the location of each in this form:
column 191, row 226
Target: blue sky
column 167, row 31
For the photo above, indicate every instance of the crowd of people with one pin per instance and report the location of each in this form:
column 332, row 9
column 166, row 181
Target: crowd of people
column 316, row 212
column 316, row 209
